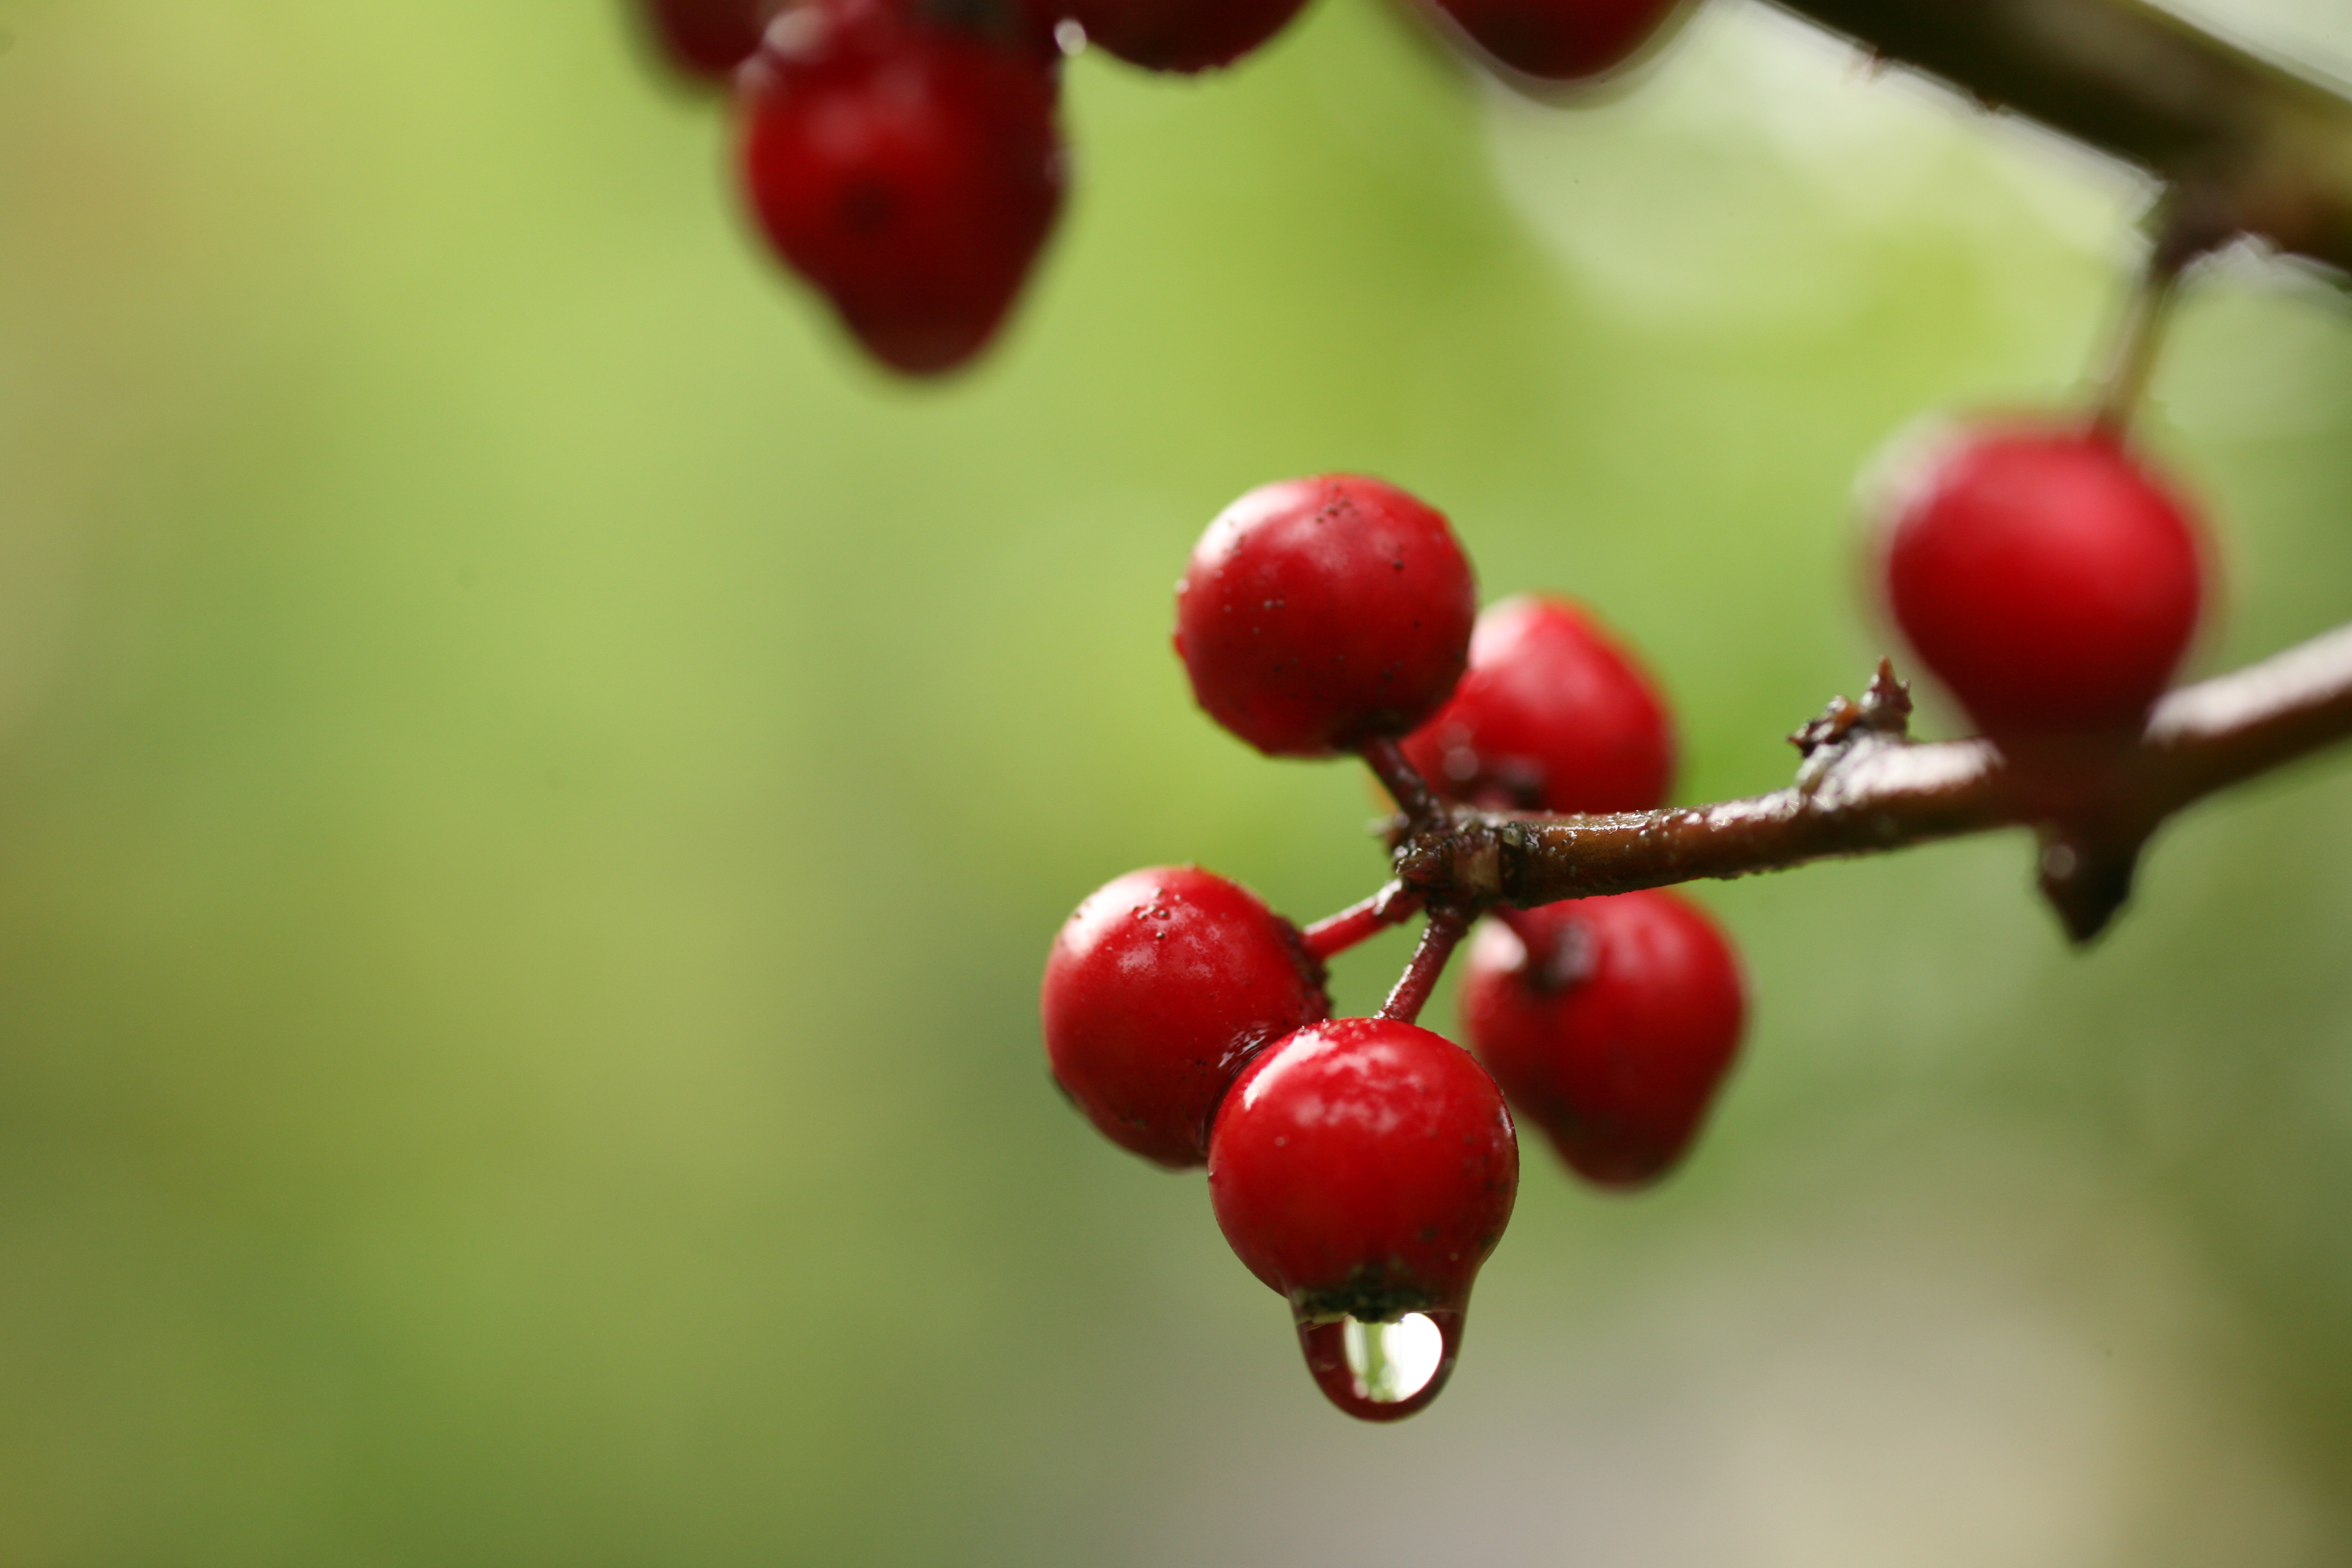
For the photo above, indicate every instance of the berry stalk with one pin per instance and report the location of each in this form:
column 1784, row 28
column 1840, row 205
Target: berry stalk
column 2139, row 339
column 1403, row 782
column 1359, row 922
column 1447, row 926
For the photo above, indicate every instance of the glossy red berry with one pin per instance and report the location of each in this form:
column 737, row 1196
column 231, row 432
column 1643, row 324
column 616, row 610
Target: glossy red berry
column 1158, row 991
column 909, row 170
column 1558, row 41
column 1318, row 614
column 2045, row 578
column 1609, row 1023
column 708, row 39
column 1553, row 716
column 1365, row 1168
column 1182, row 35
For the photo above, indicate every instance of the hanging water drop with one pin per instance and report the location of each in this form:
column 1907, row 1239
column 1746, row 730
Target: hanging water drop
column 1393, row 1361
column 1383, row 1370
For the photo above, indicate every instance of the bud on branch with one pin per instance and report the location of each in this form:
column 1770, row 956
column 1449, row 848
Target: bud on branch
column 1864, row 787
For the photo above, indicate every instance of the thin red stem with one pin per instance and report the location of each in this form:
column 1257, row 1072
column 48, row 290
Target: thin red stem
column 1444, row 931
column 1392, row 905
column 1401, row 780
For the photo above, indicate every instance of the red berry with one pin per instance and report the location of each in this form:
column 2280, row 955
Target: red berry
column 909, row 170
column 2045, row 576
column 1182, row 35
column 1026, row 24
column 1608, row 1022
column 1553, row 716
column 708, row 38
column 1558, row 41
column 1158, row 991
column 1365, row 1168
column 1321, row 613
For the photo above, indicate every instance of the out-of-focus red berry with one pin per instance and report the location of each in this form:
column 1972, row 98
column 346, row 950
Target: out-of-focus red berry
column 1609, row 1023
column 1553, row 716
column 908, row 169
column 1364, row 1168
column 1558, row 41
column 2045, row 576
column 1318, row 614
column 1182, row 35
column 708, row 39
column 1158, row 991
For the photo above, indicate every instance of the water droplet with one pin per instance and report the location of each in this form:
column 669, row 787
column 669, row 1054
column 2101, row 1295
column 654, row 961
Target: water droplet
column 1385, row 1371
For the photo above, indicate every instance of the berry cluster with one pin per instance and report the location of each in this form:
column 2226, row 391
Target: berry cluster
column 905, row 156
column 1364, row 1168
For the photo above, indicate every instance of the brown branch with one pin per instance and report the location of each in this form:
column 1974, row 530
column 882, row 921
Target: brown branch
column 2248, row 145
column 1864, row 788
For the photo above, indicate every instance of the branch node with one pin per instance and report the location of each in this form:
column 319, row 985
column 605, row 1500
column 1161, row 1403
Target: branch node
column 1836, row 722
column 1884, row 710
column 1886, row 704
column 1459, row 856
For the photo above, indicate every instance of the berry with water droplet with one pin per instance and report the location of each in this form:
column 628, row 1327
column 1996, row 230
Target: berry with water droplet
column 708, row 39
column 2045, row 576
column 1609, row 1023
column 1553, row 716
column 1558, row 41
column 1181, row 35
column 1319, row 613
column 910, row 170
column 1364, row 1168
column 1158, row 991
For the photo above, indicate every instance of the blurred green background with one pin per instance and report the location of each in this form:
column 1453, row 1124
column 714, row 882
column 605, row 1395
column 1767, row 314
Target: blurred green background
column 534, row 788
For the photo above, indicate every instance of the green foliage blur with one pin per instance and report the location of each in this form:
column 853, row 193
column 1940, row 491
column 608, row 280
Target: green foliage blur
column 534, row 789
